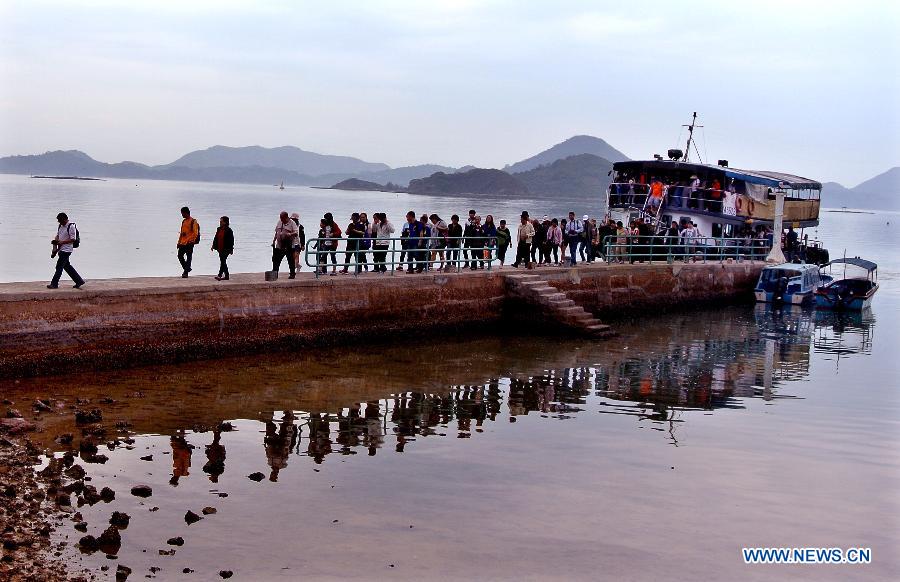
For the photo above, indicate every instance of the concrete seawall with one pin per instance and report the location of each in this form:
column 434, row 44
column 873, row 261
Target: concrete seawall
column 126, row 322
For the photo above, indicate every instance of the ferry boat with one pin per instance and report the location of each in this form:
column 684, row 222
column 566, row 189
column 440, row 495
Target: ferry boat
column 788, row 283
column 723, row 202
column 852, row 283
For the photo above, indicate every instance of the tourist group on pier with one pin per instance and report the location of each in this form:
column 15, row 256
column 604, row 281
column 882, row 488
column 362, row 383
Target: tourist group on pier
column 427, row 242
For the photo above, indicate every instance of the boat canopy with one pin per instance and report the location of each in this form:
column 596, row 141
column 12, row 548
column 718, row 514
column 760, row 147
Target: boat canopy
column 800, row 267
column 857, row 262
column 760, row 177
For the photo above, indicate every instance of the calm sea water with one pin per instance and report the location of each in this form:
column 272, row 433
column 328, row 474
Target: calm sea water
column 656, row 454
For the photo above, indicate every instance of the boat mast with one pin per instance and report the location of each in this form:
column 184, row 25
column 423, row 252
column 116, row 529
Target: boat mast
column 687, row 149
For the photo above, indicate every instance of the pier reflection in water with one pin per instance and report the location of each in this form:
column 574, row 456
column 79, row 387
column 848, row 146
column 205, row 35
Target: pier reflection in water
column 210, row 424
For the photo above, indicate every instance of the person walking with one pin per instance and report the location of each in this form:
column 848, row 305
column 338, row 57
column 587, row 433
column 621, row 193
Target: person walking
column 554, row 239
column 439, row 235
column 365, row 242
column 574, row 232
column 524, row 236
column 504, row 239
column 414, row 243
column 454, row 240
column 585, row 242
column 223, row 243
column 354, row 236
column 383, row 230
column 489, row 229
column 471, row 234
column 64, row 244
column 283, row 243
column 299, row 241
column 187, row 238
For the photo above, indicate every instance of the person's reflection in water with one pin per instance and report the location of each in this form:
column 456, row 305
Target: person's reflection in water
column 349, row 429
column 319, row 437
column 215, row 455
column 278, row 443
column 181, row 458
column 374, row 433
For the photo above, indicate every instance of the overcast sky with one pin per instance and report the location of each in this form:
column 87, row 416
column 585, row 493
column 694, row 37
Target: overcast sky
column 805, row 87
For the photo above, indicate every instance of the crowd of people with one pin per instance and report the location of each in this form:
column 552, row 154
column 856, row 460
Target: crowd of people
column 426, row 242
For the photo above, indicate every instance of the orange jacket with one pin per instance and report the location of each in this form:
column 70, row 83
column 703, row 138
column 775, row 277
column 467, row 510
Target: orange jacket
column 190, row 232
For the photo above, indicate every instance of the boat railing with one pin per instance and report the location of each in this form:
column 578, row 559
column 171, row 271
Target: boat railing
column 390, row 255
column 664, row 248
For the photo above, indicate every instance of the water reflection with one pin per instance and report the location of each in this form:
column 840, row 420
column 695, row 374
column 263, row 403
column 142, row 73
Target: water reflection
column 198, row 430
column 844, row 333
column 656, row 377
column 318, row 405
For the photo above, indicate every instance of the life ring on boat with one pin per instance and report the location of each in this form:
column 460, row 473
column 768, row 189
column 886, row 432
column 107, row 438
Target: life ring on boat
column 737, row 203
column 751, row 206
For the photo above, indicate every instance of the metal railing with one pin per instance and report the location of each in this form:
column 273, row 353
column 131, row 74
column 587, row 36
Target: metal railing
column 662, row 248
column 390, row 255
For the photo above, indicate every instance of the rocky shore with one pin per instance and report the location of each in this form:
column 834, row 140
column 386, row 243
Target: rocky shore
column 35, row 500
column 27, row 511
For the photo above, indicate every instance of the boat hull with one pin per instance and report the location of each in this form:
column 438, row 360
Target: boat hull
column 804, row 298
column 856, row 302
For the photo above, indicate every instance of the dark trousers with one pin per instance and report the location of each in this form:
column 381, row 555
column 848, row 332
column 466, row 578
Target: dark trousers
column 279, row 253
column 223, row 264
column 63, row 264
column 476, row 257
column 554, row 251
column 470, row 254
column 414, row 259
column 379, row 254
column 351, row 253
column 573, row 242
column 522, row 253
column 453, row 256
column 501, row 252
column 185, row 255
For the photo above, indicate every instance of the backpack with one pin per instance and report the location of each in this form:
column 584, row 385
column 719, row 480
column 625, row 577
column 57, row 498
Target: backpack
column 77, row 242
column 194, row 221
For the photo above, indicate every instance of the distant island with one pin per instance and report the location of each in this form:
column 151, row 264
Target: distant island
column 364, row 185
column 66, row 178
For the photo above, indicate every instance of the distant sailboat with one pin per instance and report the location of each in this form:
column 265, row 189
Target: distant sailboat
column 281, row 186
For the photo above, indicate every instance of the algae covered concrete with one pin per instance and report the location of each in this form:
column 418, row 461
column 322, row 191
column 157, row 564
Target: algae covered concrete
column 125, row 322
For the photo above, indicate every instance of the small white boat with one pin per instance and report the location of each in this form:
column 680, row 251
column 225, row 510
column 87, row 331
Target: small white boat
column 788, row 283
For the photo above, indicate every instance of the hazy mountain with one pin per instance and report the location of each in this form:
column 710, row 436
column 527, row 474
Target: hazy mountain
column 881, row 192
column 476, row 181
column 580, row 144
column 581, row 176
column 69, row 162
column 285, row 157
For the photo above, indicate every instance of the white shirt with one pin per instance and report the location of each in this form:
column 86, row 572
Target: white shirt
column 289, row 231
column 66, row 231
column 384, row 230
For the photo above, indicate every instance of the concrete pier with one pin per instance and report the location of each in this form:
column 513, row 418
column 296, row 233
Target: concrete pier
column 125, row 322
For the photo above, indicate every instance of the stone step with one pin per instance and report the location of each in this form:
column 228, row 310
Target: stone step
column 598, row 327
column 559, row 303
column 533, row 284
column 523, row 277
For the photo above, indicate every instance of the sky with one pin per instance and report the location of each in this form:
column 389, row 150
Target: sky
column 807, row 87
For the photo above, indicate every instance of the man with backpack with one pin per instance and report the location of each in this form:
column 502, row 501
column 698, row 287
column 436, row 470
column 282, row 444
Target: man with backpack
column 67, row 239
column 187, row 238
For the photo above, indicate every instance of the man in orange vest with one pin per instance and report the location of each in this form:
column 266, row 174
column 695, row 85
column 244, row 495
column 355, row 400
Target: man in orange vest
column 187, row 238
